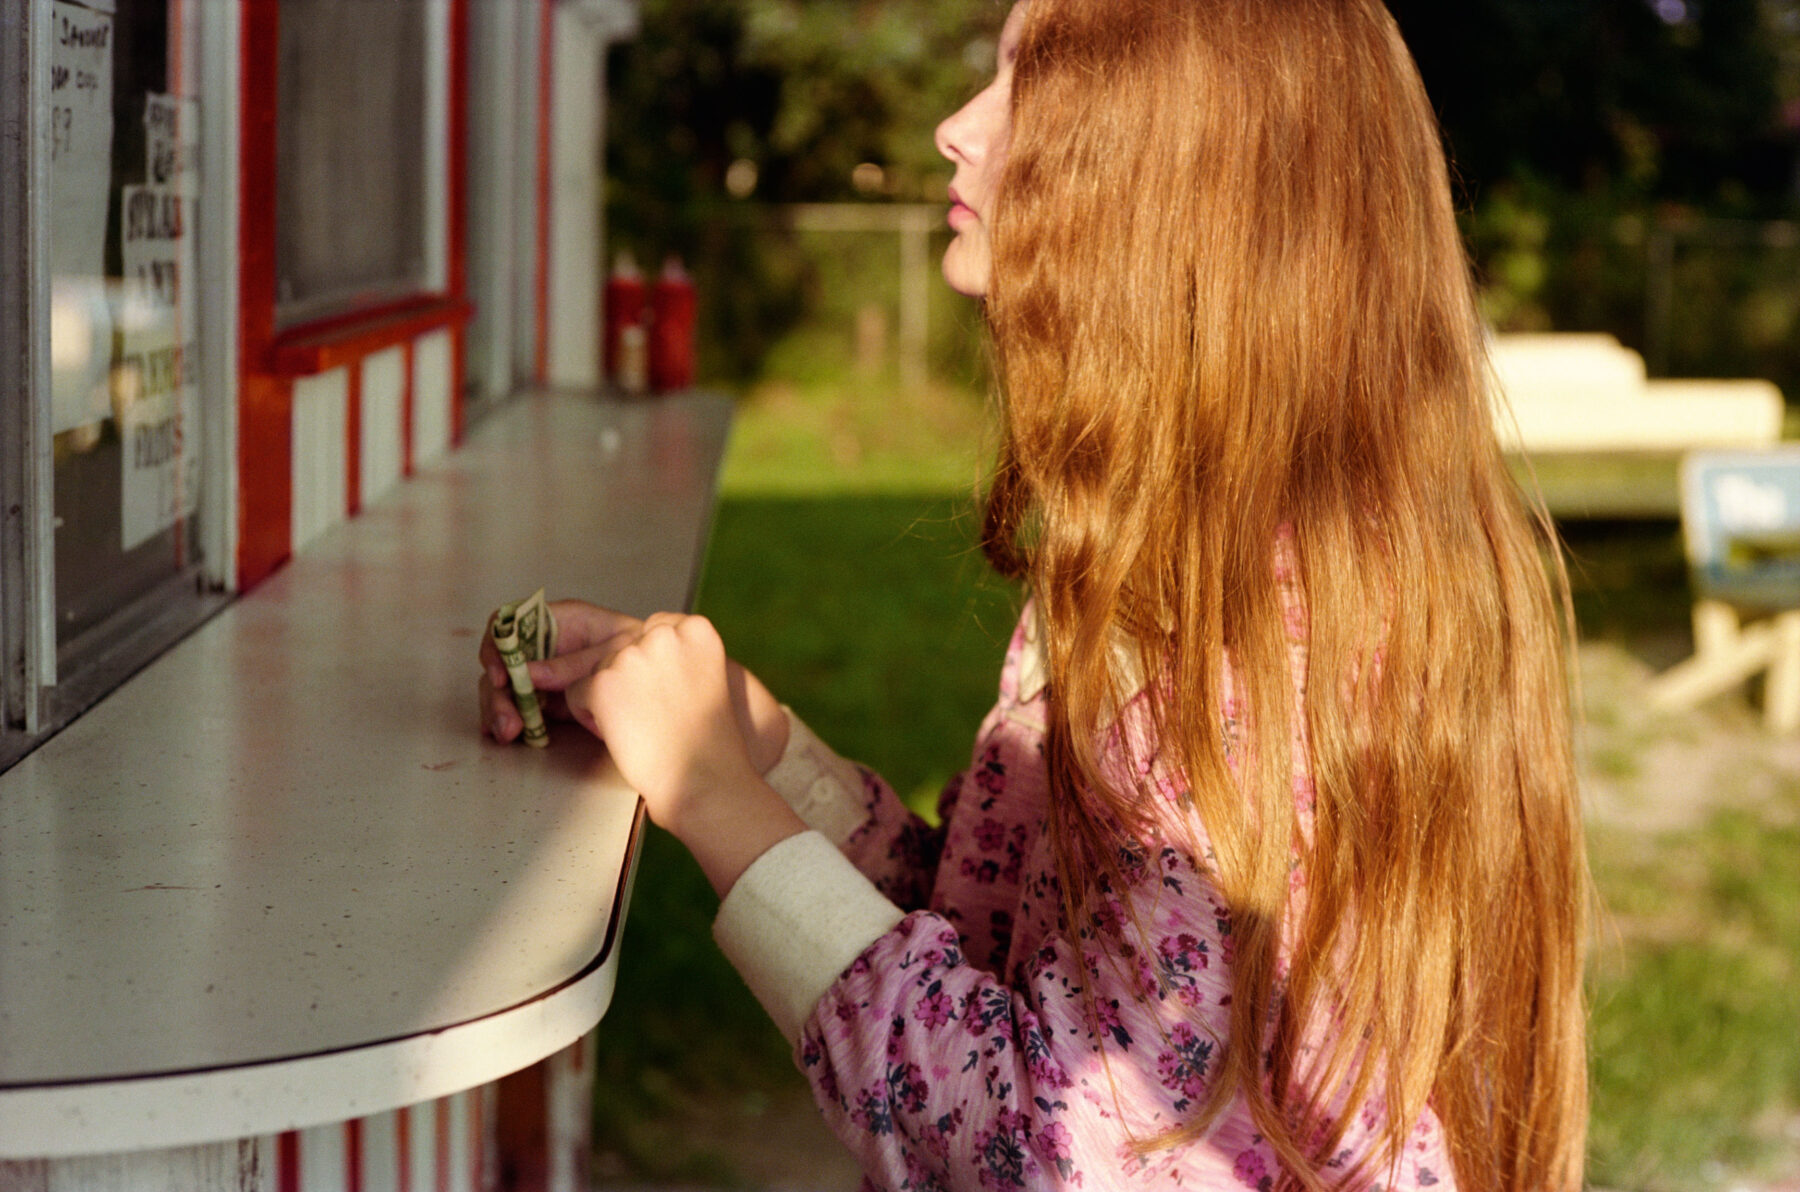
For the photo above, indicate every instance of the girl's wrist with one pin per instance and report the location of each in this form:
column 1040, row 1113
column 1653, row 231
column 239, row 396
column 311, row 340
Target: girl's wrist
column 730, row 824
column 761, row 719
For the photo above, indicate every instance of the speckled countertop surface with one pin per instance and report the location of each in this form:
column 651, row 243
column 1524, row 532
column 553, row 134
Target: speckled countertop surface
column 286, row 838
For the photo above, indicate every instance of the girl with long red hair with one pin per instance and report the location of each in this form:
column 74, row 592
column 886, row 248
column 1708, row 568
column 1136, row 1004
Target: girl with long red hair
column 1268, row 869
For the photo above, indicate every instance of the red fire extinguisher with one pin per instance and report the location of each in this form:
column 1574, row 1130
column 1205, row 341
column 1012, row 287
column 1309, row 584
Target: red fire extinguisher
column 672, row 329
column 622, row 335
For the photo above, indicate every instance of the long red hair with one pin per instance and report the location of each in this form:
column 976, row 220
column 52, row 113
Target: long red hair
column 1229, row 296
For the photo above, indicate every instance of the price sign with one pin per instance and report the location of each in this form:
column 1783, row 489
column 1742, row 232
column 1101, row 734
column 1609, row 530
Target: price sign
column 1740, row 513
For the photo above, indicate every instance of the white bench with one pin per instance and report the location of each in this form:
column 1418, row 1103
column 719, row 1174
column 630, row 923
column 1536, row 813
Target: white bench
column 1588, row 393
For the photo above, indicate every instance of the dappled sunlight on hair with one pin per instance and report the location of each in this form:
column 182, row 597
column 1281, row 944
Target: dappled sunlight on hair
column 1229, row 296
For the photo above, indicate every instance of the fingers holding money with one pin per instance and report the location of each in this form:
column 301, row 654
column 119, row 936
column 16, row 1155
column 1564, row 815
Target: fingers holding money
column 523, row 632
column 499, row 718
column 581, row 625
column 557, row 674
column 615, row 633
column 535, row 649
column 585, row 641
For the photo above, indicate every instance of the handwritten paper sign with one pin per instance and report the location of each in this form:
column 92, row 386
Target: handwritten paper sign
column 81, row 136
column 157, row 389
column 1740, row 513
column 172, row 143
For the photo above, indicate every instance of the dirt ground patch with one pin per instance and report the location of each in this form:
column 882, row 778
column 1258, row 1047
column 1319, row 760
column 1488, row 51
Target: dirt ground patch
column 766, row 1141
column 1660, row 772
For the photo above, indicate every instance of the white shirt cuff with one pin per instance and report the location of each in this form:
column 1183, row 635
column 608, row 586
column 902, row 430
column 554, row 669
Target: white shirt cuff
column 824, row 790
column 795, row 920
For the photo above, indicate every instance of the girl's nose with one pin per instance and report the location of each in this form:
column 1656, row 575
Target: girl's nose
column 950, row 134
column 969, row 135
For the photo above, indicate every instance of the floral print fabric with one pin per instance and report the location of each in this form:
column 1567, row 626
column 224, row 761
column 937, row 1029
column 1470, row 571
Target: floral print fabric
column 961, row 1051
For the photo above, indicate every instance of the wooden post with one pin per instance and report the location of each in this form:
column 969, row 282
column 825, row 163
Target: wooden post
column 1781, row 690
column 1715, row 626
column 1727, row 653
column 915, row 292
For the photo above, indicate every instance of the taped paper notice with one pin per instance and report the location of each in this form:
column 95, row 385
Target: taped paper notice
column 156, row 386
column 172, row 143
column 81, row 137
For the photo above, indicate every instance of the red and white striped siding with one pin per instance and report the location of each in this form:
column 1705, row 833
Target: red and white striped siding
column 331, row 413
column 453, row 1144
column 362, row 426
column 440, row 1146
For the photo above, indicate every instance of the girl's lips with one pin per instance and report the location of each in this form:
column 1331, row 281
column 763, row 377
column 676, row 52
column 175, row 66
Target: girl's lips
column 960, row 211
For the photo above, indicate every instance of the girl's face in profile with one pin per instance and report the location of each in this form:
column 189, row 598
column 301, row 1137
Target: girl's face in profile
column 974, row 139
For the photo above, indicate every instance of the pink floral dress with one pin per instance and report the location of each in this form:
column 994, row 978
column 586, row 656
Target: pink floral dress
column 957, row 1050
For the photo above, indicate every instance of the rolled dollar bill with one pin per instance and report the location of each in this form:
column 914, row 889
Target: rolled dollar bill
column 526, row 632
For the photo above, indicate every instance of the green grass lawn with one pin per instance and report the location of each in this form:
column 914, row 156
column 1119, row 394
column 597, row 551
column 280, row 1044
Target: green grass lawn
column 843, row 571
column 1695, row 987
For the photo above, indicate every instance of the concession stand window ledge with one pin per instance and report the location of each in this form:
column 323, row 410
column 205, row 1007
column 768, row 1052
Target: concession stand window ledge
column 277, row 879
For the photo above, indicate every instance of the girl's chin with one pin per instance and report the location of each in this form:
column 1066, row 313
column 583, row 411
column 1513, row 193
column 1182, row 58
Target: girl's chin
column 966, row 269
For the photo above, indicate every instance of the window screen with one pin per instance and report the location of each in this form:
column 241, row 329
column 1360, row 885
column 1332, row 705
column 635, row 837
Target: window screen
column 351, row 154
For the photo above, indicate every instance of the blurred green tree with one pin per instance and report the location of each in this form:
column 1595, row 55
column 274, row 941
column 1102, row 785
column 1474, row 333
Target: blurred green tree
column 720, row 102
column 1555, row 111
column 1681, row 100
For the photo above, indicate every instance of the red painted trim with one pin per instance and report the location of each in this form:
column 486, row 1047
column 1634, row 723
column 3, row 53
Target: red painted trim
column 265, row 477
column 265, row 404
column 522, row 1129
column 353, row 440
column 320, row 347
column 408, row 387
column 442, row 1142
column 458, row 382
column 177, row 45
column 352, row 322
column 403, row 1173
column 287, row 1162
column 353, row 1155
column 541, row 316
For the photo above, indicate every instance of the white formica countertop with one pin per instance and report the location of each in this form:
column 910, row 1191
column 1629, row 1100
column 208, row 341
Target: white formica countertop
column 278, row 878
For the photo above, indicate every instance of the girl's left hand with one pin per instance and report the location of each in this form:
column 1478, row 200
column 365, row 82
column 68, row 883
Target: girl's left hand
column 660, row 697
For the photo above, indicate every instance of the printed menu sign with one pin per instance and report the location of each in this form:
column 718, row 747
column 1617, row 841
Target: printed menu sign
column 81, row 137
